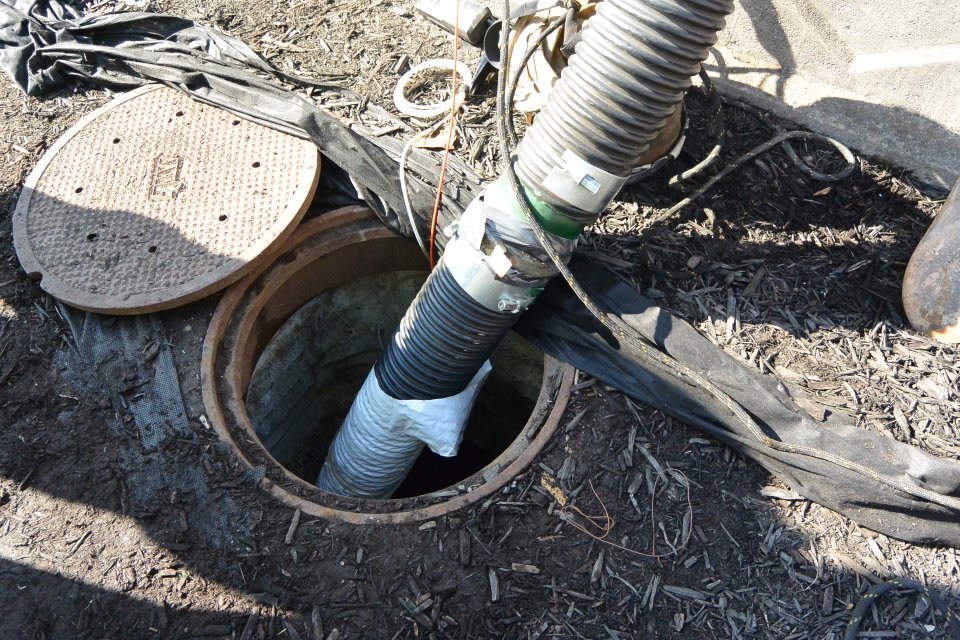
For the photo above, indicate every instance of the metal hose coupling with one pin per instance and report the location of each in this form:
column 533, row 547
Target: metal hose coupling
column 631, row 68
column 487, row 276
column 625, row 80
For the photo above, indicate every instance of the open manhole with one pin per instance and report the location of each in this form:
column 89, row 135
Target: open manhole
column 288, row 349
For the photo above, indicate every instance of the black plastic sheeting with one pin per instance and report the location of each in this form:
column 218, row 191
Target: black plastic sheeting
column 878, row 482
column 45, row 47
column 560, row 325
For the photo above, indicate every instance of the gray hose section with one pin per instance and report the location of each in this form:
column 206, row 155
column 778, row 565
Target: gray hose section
column 628, row 75
column 367, row 458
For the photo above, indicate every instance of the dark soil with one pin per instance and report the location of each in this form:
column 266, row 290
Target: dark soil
column 101, row 537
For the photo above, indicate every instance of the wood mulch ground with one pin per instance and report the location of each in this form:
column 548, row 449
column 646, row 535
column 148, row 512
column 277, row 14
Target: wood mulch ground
column 102, row 539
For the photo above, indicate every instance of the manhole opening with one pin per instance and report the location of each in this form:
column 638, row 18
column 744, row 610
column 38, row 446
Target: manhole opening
column 309, row 372
column 315, row 321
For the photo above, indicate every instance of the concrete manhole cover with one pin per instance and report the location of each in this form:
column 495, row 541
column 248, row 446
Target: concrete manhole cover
column 155, row 200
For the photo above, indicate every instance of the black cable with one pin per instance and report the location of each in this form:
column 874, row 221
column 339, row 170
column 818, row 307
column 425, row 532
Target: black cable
column 718, row 124
column 648, row 353
column 782, row 138
column 531, row 51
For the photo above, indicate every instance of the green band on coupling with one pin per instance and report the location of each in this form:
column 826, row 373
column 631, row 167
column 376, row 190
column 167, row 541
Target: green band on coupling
column 550, row 219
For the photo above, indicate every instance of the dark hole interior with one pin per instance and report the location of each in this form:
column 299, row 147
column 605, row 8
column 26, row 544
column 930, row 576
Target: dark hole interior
column 308, row 374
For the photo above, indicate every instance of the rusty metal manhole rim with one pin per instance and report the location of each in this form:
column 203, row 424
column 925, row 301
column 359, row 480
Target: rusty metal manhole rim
column 221, row 372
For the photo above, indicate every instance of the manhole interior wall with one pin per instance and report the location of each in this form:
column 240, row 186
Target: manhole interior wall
column 287, row 350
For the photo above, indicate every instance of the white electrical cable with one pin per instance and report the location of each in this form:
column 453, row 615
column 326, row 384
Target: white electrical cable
column 406, row 107
column 403, row 185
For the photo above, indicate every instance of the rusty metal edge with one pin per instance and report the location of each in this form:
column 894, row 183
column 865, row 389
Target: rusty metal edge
column 558, row 382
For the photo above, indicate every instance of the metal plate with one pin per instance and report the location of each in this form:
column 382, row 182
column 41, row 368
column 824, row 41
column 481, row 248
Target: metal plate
column 156, row 200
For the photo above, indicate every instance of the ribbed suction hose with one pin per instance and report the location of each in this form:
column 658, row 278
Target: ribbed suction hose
column 630, row 71
column 627, row 77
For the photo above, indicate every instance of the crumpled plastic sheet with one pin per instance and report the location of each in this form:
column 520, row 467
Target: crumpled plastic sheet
column 128, row 359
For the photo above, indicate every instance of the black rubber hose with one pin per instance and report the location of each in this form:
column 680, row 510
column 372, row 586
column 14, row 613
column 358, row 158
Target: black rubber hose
column 443, row 340
column 628, row 75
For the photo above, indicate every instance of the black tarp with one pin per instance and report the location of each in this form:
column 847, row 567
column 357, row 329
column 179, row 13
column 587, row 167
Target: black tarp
column 885, row 485
column 45, row 46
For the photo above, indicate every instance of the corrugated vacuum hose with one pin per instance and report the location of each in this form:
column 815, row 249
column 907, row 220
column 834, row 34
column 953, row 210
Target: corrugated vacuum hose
column 627, row 77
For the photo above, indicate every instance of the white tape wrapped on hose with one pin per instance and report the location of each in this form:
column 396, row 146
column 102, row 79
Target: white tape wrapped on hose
column 406, row 107
column 381, row 438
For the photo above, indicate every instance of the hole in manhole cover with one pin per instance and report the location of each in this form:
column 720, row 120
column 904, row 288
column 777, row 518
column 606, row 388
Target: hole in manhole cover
column 287, row 351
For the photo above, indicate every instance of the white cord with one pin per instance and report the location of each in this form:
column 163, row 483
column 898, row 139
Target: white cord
column 403, row 184
column 406, row 107
column 427, row 111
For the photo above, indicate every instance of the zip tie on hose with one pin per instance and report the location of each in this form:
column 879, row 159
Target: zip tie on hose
column 406, row 107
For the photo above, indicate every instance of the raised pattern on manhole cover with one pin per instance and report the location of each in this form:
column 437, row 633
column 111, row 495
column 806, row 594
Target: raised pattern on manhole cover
column 156, row 200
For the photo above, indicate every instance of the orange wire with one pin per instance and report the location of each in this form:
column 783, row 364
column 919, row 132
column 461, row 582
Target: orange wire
column 453, row 117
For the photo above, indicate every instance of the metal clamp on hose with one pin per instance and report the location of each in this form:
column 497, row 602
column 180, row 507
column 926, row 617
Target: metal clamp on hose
column 475, row 272
column 582, row 185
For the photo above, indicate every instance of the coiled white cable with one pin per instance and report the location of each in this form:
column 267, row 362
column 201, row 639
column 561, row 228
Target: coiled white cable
column 406, row 107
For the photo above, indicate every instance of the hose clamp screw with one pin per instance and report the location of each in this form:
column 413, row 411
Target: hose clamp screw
column 508, row 305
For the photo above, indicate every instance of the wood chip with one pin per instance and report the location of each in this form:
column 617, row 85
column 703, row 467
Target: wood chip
column 684, row 592
column 250, row 627
column 524, row 568
column 316, row 622
column 780, row 494
column 597, row 570
column 754, row 282
column 294, row 523
column 401, row 65
column 494, row 585
column 875, row 549
column 463, row 538
column 292, row 632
